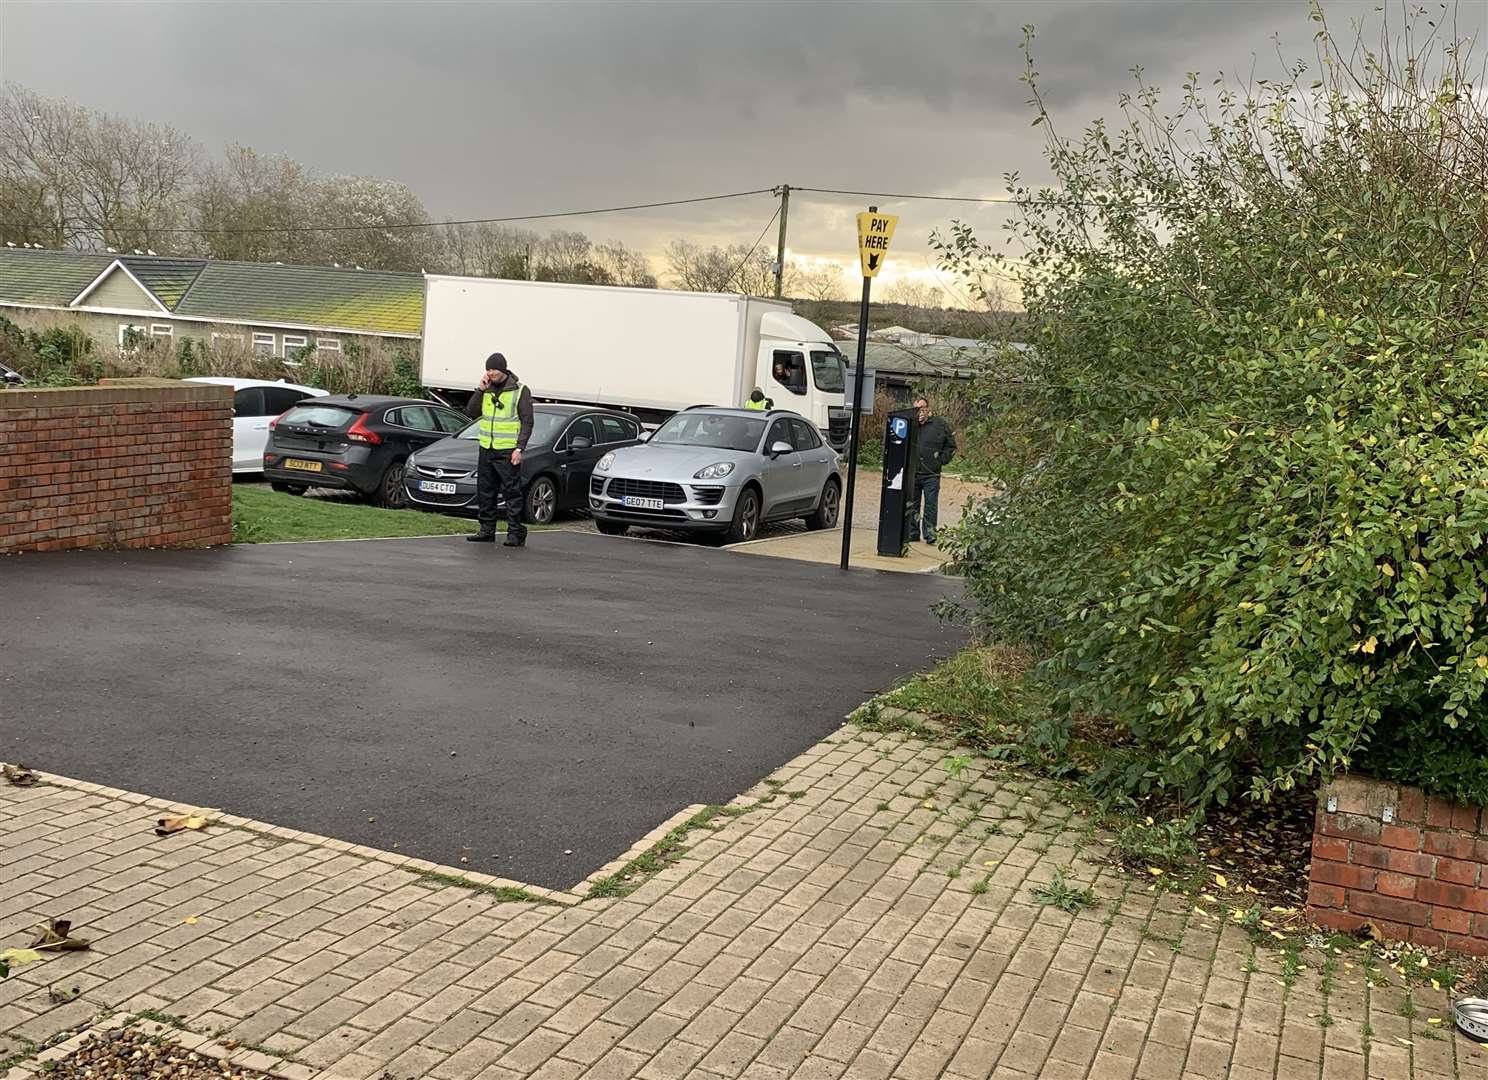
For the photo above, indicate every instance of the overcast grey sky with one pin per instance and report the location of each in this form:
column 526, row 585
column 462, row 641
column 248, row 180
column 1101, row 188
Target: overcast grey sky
column 489, row 109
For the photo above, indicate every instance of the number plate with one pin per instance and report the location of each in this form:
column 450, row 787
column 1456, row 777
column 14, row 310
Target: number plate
column 303, row 466
column 642, row 504
column 434, row 487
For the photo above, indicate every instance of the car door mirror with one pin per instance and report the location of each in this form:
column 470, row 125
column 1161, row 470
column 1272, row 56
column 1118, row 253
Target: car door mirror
column 781, row 447
column 580, row 442
column 644, row 436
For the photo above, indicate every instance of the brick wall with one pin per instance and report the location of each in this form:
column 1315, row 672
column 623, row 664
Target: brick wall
column 130, row 463
column 1416, row 867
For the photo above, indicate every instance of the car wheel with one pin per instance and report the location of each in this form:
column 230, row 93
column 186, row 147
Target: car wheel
column 746, row 518
column 542, row 501
column 827, row 510
column 288, row 489
column 390, row 493
column 611, row 528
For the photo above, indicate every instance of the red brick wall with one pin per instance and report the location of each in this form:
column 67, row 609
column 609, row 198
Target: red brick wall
column 1411, row 865
column 131, row 463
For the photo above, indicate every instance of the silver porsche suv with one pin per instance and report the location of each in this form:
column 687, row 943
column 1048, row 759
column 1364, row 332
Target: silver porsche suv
column 720, row 471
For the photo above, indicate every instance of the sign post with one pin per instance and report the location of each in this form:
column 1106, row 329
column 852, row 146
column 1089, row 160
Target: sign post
column 875, row 230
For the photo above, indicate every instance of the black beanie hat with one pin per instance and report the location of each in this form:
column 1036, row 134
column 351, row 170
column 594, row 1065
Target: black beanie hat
column 495, row 362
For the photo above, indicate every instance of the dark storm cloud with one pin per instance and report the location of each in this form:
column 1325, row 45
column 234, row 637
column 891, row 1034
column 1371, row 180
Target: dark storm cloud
column 514, row 108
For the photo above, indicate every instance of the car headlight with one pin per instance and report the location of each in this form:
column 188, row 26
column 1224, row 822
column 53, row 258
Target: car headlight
column 717, row 471
column 604, row 463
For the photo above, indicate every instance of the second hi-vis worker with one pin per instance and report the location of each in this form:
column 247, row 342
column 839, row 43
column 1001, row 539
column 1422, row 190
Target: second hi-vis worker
column 758, row 401
column 504, row 408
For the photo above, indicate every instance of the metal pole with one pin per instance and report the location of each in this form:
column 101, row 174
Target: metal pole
column 780, row 244
column 857, row 416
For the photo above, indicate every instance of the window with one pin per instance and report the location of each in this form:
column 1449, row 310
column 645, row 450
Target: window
column 803, row 435
column 319, row 416
column 263, row 344
column 710, row 429
column 416, row 417
column 327, row 344
column 827, row 370
column 612, row 429
column 279, row 398
column 250, row 402
column 582, row 428
column 780, row 431
column 789, row 370
column 236, row 339
column 294, row 341
column 450, row 421
column 130, row 335
column 161, row 329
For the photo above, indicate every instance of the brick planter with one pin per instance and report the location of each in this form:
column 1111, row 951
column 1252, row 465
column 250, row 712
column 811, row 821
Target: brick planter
column 1411, row 865
column 127, row 464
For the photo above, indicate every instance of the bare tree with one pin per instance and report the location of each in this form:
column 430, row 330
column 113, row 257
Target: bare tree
column 247, row 206
column 915, row 294
column 624, row 266
column 817, row 281
column 382, row 210
column 38, row 179
column 735, row 268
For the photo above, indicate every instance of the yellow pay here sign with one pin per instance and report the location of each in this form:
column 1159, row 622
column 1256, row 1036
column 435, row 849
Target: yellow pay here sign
column 874, row 233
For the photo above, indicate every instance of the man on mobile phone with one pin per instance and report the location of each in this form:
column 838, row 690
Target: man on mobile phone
column 503, row 406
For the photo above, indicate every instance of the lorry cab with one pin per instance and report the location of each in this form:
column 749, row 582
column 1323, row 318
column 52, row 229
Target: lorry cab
column 800, row 368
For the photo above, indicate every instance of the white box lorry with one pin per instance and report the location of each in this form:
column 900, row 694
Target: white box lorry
column 652, row 351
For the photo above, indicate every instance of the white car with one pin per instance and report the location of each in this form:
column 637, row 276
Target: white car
column 255, row 403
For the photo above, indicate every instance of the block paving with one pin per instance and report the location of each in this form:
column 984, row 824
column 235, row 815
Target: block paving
column 866, row 914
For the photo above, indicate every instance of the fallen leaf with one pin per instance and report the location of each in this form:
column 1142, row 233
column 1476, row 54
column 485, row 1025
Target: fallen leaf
column 1433, row 1019
column 928, row 805
column 1155, row 871
column 990, row 863
column 1403, row 1042
column 17, row 957
column 56, row 935
column 167, row 825
column 190, row 920
column 1222, row 881
column 18, row 775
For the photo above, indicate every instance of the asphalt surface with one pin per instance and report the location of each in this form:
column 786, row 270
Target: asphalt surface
column 448, row 700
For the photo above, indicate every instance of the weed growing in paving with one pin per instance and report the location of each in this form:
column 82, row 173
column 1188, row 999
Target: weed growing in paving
column 510, row 893
column 660, row 855
column 1058, row 892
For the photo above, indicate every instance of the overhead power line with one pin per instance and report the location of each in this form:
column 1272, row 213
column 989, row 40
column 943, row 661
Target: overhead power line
column 441, row 224
column 753, row 247
column 893, row 195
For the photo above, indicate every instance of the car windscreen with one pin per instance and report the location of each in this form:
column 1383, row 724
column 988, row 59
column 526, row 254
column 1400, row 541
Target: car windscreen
column 710, row 429
column 326, row 416
column 827, row 372
column 545, row 427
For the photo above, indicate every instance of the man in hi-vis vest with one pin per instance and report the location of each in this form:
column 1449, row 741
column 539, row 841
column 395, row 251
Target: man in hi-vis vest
column 503, row 408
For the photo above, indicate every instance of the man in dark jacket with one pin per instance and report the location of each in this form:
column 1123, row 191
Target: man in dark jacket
column 503, row 407
column 937, row 446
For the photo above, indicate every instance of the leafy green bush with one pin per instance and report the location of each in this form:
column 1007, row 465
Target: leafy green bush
column 1250, row 524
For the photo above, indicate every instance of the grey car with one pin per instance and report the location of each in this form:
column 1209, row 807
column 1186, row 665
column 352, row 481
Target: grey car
column 720, row 471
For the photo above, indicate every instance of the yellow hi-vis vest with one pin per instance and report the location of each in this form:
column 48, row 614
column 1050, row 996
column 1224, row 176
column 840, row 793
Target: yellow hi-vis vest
column 499, row 425
column 761, row 405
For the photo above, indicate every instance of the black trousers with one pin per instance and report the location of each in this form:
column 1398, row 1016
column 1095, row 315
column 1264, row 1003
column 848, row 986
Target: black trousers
column 495, row 475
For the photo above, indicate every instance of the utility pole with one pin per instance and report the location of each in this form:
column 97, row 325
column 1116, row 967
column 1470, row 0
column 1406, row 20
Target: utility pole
column 784, row 192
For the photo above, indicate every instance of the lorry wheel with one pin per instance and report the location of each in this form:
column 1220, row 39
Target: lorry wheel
column 611, row 528
column 746, row 518
column 830, row 506
column 542, row 501
column 288, row 489
column 390, row 494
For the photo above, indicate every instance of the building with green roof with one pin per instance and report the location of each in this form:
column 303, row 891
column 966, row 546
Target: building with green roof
column 271, row 308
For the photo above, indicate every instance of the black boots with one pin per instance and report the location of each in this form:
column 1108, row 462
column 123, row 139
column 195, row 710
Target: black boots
column 515, row 541
column 482, row 537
